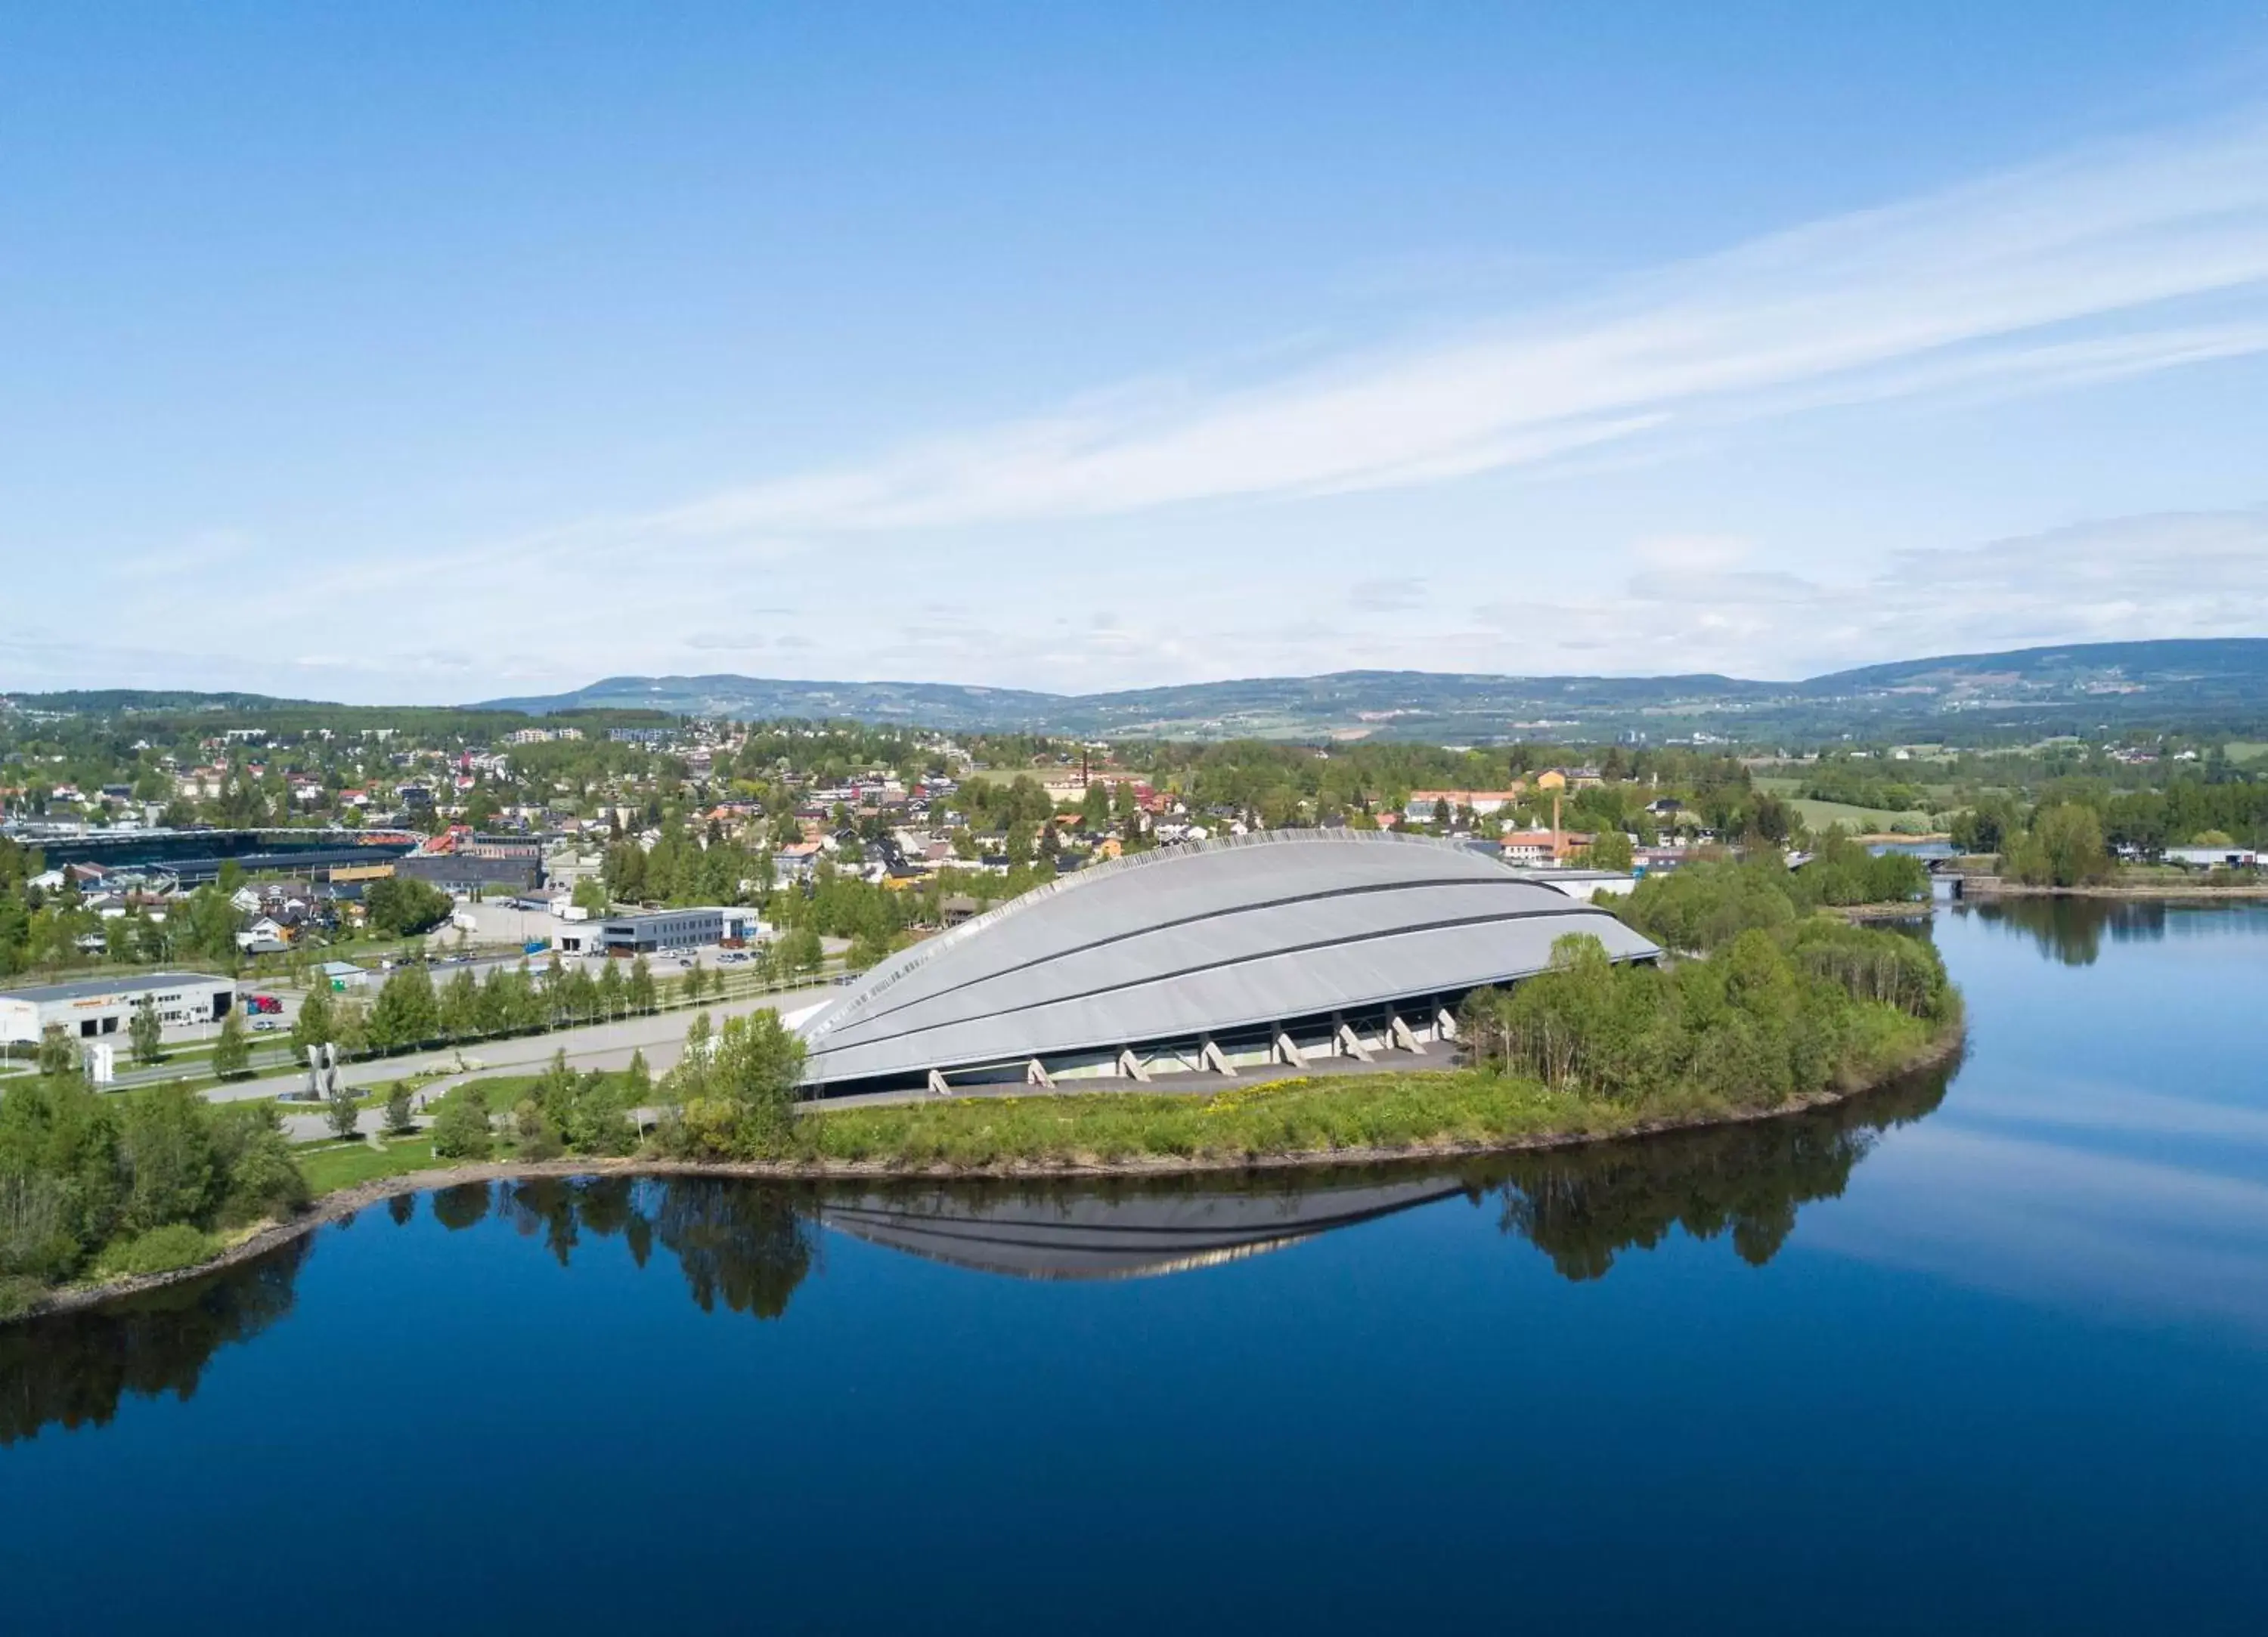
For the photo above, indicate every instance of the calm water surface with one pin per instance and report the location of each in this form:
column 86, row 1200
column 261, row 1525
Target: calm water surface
column 1986, row 1352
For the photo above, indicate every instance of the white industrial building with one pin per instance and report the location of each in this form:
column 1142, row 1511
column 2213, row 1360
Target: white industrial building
column 653, row 931
column 2213, row 857
column 88, row 1009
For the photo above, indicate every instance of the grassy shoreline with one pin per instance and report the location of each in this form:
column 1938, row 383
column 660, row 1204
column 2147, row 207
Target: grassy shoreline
column 1301, row 1124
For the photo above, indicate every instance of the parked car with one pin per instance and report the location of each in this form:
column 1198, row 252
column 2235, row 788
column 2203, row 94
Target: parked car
column 266, row 1025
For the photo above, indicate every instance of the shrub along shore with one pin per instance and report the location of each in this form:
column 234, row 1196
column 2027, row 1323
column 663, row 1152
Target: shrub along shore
column 1768, row 1009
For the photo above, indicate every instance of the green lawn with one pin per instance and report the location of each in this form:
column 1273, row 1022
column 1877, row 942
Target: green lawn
column 331, row 1166
column 199, row 1079
column 1819, row 815
column 1299, row 1116
column 1315, row 1116
column 500, row 1094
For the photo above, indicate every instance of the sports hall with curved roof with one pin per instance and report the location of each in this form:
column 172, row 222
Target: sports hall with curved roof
column 1276, row 948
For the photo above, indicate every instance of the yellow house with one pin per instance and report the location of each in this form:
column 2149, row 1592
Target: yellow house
column 1553, row 780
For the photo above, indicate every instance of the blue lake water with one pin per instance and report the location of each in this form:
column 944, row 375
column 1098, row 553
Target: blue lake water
column 1986, row 1352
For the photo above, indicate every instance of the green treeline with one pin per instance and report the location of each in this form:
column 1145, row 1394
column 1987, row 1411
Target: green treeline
column 1786, row 1003
column 1783, row 1002
column 1709, row 902
column 1862, row 784
column 1281, row 784
column 43, row 929
column 404, row 908
column 558, row 1111
column 731, row 1096
column 410, row 1010
column 137, row 1184
column 2060, row 844
column 2068, row 836
column 1769, row 1015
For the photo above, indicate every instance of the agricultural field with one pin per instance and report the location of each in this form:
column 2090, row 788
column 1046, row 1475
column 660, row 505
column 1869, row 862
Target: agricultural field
column 1864, row 820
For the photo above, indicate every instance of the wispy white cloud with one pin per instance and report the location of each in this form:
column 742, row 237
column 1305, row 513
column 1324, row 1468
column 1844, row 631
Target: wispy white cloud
column 2107, row 263
column 2176, row 574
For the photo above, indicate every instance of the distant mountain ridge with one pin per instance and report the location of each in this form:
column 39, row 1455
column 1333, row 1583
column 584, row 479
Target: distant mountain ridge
column 2217, row 684
column 2194, row 683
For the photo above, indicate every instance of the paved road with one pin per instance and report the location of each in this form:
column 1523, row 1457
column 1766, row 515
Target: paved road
column 595, row 1046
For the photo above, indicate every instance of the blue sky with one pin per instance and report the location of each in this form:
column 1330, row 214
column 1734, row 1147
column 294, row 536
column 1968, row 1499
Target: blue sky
column 433, row 353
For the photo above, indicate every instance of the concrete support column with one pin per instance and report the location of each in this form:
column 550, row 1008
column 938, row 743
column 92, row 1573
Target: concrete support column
column 937, row 1084
column 1348, row 1041
column 1287, row 1051
column 1445, row 1025
column 1210, row 1056
column 1035, row 1073
column 1403, row 1036
column 1130, row 1067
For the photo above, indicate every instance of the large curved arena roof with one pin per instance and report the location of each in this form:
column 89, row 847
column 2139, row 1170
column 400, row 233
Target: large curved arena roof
column 1196, row 943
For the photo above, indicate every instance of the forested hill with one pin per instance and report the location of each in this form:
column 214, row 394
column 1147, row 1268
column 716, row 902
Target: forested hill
column 2205, row 688
column 2203, row 685
column 930, row 704
column 2234, row 666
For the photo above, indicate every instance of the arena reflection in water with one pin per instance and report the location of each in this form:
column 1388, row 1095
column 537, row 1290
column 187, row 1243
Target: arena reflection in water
column 746, row 1247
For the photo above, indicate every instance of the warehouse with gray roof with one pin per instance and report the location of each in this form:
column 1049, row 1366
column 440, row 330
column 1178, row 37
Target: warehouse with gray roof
column 88, row 1009
column 1228, row 955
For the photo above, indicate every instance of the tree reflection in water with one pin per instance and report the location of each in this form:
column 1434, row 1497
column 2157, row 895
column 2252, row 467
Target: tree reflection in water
column 1580, row 1207
column 744, row 1244
column 72, row 1369
column 2071, row 929
column 747, row 1245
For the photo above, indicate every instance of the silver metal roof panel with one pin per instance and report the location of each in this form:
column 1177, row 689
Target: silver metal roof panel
column 1202, row 940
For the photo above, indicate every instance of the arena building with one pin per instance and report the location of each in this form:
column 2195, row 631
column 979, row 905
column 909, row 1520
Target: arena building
column 1275, row 949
